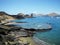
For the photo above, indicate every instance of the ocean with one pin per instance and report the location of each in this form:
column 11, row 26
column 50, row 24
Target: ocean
column 52, row 36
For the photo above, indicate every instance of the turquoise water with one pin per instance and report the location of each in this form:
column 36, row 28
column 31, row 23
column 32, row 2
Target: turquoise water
column 52, row 36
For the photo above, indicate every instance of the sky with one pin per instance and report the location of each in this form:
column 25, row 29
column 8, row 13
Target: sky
column 30, row 6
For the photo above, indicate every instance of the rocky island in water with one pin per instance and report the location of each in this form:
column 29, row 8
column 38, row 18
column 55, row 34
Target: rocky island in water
column 11, row 34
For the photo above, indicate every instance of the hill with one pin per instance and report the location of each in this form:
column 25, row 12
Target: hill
column 53, row 14
column 5, row 17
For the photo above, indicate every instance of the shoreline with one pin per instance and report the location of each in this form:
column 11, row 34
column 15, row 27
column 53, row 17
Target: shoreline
column 41, row 42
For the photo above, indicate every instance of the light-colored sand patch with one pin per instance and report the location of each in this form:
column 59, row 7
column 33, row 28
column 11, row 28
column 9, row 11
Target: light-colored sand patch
column 27, row 40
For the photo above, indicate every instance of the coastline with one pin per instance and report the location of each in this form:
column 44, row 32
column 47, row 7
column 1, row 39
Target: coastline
column 39, row 41
column 30, row 40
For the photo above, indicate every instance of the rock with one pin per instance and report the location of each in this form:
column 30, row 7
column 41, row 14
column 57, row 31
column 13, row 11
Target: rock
column 4, row 17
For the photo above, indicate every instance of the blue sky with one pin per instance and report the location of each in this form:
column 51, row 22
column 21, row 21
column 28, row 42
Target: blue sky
column 30, row 6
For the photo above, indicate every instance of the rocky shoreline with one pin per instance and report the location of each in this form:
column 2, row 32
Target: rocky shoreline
column 13, row 35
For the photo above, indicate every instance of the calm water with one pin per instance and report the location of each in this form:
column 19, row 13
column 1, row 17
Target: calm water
column 52, row 36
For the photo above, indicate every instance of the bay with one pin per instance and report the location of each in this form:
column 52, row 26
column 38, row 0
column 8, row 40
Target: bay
column 52, row 36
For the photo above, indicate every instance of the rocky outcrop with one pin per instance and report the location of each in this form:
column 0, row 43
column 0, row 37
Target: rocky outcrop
column 18, row 16
column 4, row 17
column 29, row 16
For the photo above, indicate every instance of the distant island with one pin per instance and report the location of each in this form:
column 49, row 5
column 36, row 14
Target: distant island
column 47, row 15
column 54, row 14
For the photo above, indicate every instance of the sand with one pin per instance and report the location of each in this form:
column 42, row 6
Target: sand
column 27, row 40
